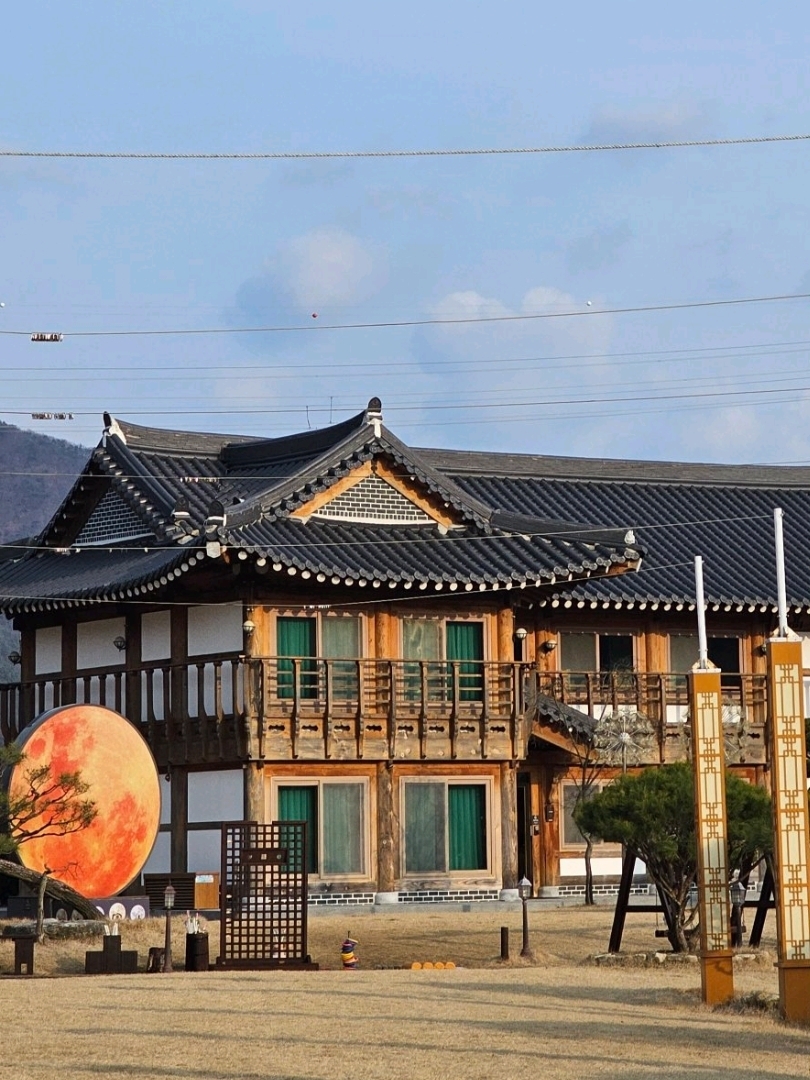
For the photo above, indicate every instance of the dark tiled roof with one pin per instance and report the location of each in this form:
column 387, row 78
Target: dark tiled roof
column 562, row 718
column 238, row 494
column 89, row 574
column 729, row 523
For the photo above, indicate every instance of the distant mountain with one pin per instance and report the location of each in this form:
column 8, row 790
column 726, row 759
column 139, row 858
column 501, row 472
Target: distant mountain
column 36, row 472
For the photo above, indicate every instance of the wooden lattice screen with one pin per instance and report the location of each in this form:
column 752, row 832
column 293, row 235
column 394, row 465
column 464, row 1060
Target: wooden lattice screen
column 263, row 895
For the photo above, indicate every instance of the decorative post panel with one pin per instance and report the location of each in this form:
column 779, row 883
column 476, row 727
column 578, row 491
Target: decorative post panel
column 791, row 830
column 711, row 833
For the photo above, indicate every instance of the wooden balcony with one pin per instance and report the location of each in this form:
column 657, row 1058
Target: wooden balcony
column 649, row 712
column 235, row 709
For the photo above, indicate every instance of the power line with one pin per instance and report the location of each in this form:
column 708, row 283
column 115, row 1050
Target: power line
column 320, row 155
column 393, row 323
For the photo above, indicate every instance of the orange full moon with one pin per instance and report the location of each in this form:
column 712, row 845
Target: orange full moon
column 116, row 763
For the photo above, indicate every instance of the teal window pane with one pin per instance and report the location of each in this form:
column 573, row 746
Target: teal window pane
column 425, row 828
column 465, row 642
column 342, row 828
column 301, row 804
column 296, row 637
column 467, row 822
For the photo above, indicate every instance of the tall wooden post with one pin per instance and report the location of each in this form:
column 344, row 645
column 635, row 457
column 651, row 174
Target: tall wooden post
column 179, row 819
column 791, row 827
column 506, row 635
column 387, row 831
column 509, row 837
column 711, row 829
column 254, row 792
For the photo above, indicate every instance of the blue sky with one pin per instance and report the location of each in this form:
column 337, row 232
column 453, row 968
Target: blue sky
column 176, row 245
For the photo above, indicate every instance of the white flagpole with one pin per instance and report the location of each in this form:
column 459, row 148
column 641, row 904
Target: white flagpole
column 703, row 649
column 781, row 591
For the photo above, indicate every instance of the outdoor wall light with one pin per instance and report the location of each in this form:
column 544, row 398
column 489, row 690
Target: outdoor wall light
column 524, row 892
column 248, row 626
column 521, row 633
column 120, row 642
column 548, row 646
column 14, row 657
column 168, row 903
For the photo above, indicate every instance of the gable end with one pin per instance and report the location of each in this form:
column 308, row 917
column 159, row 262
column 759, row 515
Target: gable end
column 373, row 501
column 112, row 521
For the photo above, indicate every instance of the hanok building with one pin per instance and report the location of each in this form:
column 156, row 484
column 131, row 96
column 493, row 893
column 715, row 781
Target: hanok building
column 405, row 648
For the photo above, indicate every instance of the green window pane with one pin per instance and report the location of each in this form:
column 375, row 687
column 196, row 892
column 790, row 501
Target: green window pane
column 465, row 642
column 343, row 832
column 467, row 814
column 425, row 828
column 296, row 637
column 340, row 638
column 301, row 804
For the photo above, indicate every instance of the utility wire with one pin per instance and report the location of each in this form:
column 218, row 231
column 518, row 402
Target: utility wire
column 459, row 321
column 319, row 155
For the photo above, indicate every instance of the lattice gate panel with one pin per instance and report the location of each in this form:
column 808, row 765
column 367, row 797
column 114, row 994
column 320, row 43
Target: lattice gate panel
column 263, row 901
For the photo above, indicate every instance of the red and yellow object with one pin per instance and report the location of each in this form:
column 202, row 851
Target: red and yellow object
column 117, row 765
column 348, row 955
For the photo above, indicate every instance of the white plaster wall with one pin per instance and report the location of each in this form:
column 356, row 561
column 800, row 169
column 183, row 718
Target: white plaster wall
column 165, row 801
column 159, row 862
column 204, row 851
column 95, row 643
column 215, row 629
column 216, row 796
column 156, row 636
column 48, row 659
column 600, row 867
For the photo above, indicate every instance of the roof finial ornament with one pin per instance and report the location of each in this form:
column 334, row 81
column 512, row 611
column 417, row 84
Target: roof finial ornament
column 111, row 427
column 374, row 415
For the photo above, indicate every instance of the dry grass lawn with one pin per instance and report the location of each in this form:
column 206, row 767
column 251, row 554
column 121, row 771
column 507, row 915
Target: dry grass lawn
column 562, row 1016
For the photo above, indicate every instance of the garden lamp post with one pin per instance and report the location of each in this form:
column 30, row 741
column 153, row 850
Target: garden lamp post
column 168, row 903
column 738, row 892
column 524, row 892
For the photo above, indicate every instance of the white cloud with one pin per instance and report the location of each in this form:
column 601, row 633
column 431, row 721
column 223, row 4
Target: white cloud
column 328, row 267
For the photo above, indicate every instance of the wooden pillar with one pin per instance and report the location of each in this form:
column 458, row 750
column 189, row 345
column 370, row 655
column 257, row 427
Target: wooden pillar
column 132, row 633
column 68, row 666
column 656, row 650
column 547, row 658
column 387, row 830
column 549, row 813
column 257, row 644
column 711, row 833
column 506, row 635
column 28, row 665
column 179, row 819
column 254, row 792
column 791, row 827
column 509, row 825
column 383, row 636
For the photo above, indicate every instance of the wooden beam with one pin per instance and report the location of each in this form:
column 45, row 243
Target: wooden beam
column 179, row 820
column 255, row 801
column 506, row 635
column 387, row 830
column 509, row 837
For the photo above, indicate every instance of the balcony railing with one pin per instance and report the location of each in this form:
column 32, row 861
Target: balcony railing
column 659, row 703
column 277, row 708
column 232, row 709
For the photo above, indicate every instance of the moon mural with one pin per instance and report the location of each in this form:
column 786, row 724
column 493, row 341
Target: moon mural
column 116, row 763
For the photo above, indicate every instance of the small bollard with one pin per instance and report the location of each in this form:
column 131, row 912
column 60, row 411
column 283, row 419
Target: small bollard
column 348, row 955
column 504, row 943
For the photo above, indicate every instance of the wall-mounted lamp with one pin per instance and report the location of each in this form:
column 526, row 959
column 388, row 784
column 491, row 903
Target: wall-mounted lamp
column 248, row 626
column 548, row 646
column 14, row 657
column 521, row 633
column 120, row 643
column 762, row 650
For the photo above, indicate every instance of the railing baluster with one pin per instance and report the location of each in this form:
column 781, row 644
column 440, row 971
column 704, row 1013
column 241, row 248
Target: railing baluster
column 295, row 722
column 327, row 709
column 455, row 708
column 362, row 667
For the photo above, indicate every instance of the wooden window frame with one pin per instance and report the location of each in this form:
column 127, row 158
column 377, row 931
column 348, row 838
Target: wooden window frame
column 446, row 781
